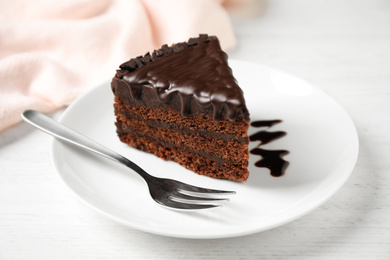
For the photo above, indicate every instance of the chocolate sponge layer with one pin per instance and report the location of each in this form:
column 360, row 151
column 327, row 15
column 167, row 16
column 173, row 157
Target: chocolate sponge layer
column 197, row 162
column 212, row 153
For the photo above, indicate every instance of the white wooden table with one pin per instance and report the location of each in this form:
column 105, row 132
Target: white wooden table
column 341, row 46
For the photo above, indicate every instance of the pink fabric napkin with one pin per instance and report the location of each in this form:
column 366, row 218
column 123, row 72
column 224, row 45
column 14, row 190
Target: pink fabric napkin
column 51, row 51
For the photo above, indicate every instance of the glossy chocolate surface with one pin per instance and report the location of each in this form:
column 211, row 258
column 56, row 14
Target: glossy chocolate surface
column 196, row 71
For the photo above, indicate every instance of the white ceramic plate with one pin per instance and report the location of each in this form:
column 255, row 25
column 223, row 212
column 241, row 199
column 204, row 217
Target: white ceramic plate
column 321, row 138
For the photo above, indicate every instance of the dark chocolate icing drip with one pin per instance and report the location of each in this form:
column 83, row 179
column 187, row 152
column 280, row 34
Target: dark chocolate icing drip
column 200, row 73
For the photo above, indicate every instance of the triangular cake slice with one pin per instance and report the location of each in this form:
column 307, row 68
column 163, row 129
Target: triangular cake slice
column 182, row 103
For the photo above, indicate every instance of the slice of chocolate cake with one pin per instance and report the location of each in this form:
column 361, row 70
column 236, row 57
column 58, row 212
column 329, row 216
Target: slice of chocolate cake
column 182, row 103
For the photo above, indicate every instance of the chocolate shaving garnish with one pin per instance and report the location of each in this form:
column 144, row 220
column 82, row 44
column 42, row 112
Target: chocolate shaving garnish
column 129, row 65
column 179, row 46
column 158, row 53
column 165, row 49
column 140, row 61
column 147, row 58
column 120, row 73
column 203, row 37
column 193, row 41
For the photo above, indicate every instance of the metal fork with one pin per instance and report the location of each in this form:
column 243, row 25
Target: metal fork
column 166, row 192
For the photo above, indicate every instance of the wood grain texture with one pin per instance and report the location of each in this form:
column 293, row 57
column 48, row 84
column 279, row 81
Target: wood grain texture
column 341, row 46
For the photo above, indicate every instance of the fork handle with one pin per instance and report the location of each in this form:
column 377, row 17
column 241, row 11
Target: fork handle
column 62, row 132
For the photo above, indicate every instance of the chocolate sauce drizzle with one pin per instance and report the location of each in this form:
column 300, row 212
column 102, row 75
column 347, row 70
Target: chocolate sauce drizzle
column 271, row 159
column 265, row 137
column 268, row 123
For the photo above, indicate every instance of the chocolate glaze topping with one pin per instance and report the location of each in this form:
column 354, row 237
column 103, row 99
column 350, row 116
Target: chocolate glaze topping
column 196, row 70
